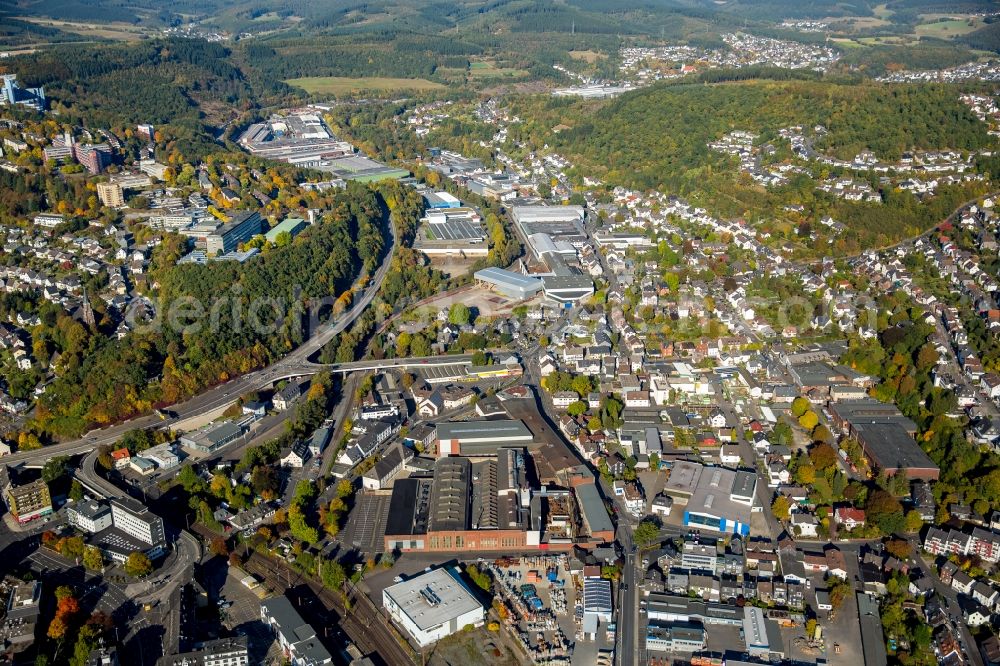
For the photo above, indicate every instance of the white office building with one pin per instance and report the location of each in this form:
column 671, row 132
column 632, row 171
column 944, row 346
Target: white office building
column 136, row 520
column 89, row 516
column 433, row 605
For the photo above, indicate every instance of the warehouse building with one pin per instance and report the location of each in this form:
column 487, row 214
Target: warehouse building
column 441, row 200
column 433, row 605
column 509, row 283
column 714, row 498
column 452, row 231
column 547, row 214
column 887, row 437
column 480, row 438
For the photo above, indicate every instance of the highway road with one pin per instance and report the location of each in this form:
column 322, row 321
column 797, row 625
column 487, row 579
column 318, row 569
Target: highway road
column 295, row 364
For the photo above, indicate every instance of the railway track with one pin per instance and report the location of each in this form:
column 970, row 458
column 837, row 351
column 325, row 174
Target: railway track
column 362, row 622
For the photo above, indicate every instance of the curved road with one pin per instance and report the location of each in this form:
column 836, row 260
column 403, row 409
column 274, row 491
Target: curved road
column 187, row 549
column 295, row 363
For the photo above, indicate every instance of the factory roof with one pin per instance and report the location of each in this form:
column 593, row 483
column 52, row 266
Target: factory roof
column 432, row 598
column 506, row 277
column 471, row 431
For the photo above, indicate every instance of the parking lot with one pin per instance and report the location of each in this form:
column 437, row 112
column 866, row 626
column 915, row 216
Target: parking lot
column 365, row 526
column 240, row 613
column 94, row 591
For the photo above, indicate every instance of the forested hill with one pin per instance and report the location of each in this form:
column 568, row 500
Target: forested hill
column 163, row 363
column 159, row 81
column 656, row 138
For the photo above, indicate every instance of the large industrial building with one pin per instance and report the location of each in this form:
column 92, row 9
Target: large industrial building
column 528, row 215
column 480, row 438
column 554, row 234
column 489, row 505
column 433, row 605
column 887, row 437
column 714, row 498
column 452, row 231
column 304, row 140
column 509, row 283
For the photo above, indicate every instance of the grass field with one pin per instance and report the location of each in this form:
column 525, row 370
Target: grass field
column 587, row 56
column 336, row 85
column 857, row 22
column 882, row 11
column 947, row 29
column 116, row 31
column 489, row 70
column 847, row 43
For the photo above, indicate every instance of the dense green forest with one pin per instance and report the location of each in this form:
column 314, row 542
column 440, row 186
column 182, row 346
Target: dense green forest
column 926, row 54
column 986, row 38
column 177, row 354
column 656, row 138
column 158, row 81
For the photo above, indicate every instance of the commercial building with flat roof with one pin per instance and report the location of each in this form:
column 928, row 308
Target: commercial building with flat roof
column 676, row 637
column 212, row 438
column 715, row 498
column 241, row 227
column 480, row 438
column 432, row 605
column 89, row 516
column 674, row 608
column 23, row 611
column 509, row 283
column 887, row 437
column 291, row 225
